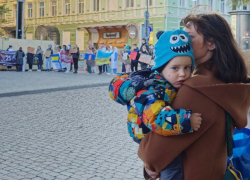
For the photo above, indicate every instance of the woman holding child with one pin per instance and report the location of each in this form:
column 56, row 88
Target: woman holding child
column 197, row 119
column 219, row 85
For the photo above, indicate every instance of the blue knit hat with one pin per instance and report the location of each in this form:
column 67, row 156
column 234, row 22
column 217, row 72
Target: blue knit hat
column 172, row 44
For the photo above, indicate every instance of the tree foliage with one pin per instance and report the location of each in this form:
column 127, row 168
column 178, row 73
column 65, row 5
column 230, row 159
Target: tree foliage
column 3, row 12
column 238, row 3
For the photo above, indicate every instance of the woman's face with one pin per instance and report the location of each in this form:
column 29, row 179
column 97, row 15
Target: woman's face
column 201, row 49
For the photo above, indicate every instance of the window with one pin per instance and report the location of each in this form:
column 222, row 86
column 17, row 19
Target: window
column 67, row 6
column 129, row 3
column 182, row 3
column 210, row 3
column 222, row 6
column 14, row 10
column 54, row 8
column 95, row 5
column 41, row 9
column 150, row 2
column 196, row 2
column 245, row 7
column 30, row 10
column 112, row 5
column 81, row 6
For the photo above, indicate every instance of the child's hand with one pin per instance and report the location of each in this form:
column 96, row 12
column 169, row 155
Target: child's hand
column 195, row 121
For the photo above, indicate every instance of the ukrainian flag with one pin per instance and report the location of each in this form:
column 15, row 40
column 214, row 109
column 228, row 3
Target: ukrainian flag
column 102, row 57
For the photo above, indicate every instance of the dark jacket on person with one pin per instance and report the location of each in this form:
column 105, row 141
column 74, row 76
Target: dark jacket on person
column 204, row 152
column 19, row 57
column 138, row 54
column 39, row 54
column 30, row 58
column 76, row 55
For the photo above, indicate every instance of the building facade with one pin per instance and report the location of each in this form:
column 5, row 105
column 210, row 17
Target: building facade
column 113, row 22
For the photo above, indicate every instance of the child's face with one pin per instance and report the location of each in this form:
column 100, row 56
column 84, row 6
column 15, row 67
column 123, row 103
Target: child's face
column 144, row 49
column 134, row 47
column 177, row 70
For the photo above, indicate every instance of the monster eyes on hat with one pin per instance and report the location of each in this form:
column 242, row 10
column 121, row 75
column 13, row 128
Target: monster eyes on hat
column 178, row 38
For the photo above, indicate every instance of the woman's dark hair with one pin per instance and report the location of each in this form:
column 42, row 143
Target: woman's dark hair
column 227, row 56
column 64, row 47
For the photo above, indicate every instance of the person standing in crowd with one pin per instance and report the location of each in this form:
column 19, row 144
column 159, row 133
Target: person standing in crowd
column 127, row 61
column 108, row 68
column 144, row 43
column 151, row 51
column 39, row 52
column 90, row 62
column 48, row 59
column 64, row 49
column 9, row 49
column 68, row 50
column 30, row 58
column 134, row 63
column 102, row 48
column 19, row 59
column 75, row 58
column 114, row 58
column 144, row 51
column 121, row 55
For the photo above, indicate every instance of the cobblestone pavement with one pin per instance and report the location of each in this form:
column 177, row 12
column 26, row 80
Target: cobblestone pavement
column 78, row 134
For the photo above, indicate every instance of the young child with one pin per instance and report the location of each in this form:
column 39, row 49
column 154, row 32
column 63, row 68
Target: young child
column 90, row 62
column 148, row 94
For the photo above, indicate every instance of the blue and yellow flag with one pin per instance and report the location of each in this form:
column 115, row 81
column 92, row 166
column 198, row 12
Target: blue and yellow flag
column 102, row 58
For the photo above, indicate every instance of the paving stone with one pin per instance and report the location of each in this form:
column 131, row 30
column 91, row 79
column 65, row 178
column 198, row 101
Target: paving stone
column 64, row 134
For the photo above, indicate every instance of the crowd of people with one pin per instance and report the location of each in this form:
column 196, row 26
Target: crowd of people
column 41, row 56
column 128, row 64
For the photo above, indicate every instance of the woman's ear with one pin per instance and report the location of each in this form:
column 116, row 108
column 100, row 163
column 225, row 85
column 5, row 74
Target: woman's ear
column 211, row 45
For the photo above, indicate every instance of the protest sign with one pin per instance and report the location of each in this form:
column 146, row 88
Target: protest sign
column 144, row 58
column 47, row 53
column 31, row 50
column 74, row 50
column 133, row 55
column 66, row 57
column 87, row 56
column 102, row 58
column 7, row 58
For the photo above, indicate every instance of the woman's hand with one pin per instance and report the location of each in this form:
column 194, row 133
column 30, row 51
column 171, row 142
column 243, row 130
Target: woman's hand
column 195, row 121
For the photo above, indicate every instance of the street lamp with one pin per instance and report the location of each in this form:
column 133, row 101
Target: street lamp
column 146, row 23
column 20, row 19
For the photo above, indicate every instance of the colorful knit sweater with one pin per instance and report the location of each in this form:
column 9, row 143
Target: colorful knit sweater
column 149, row 106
